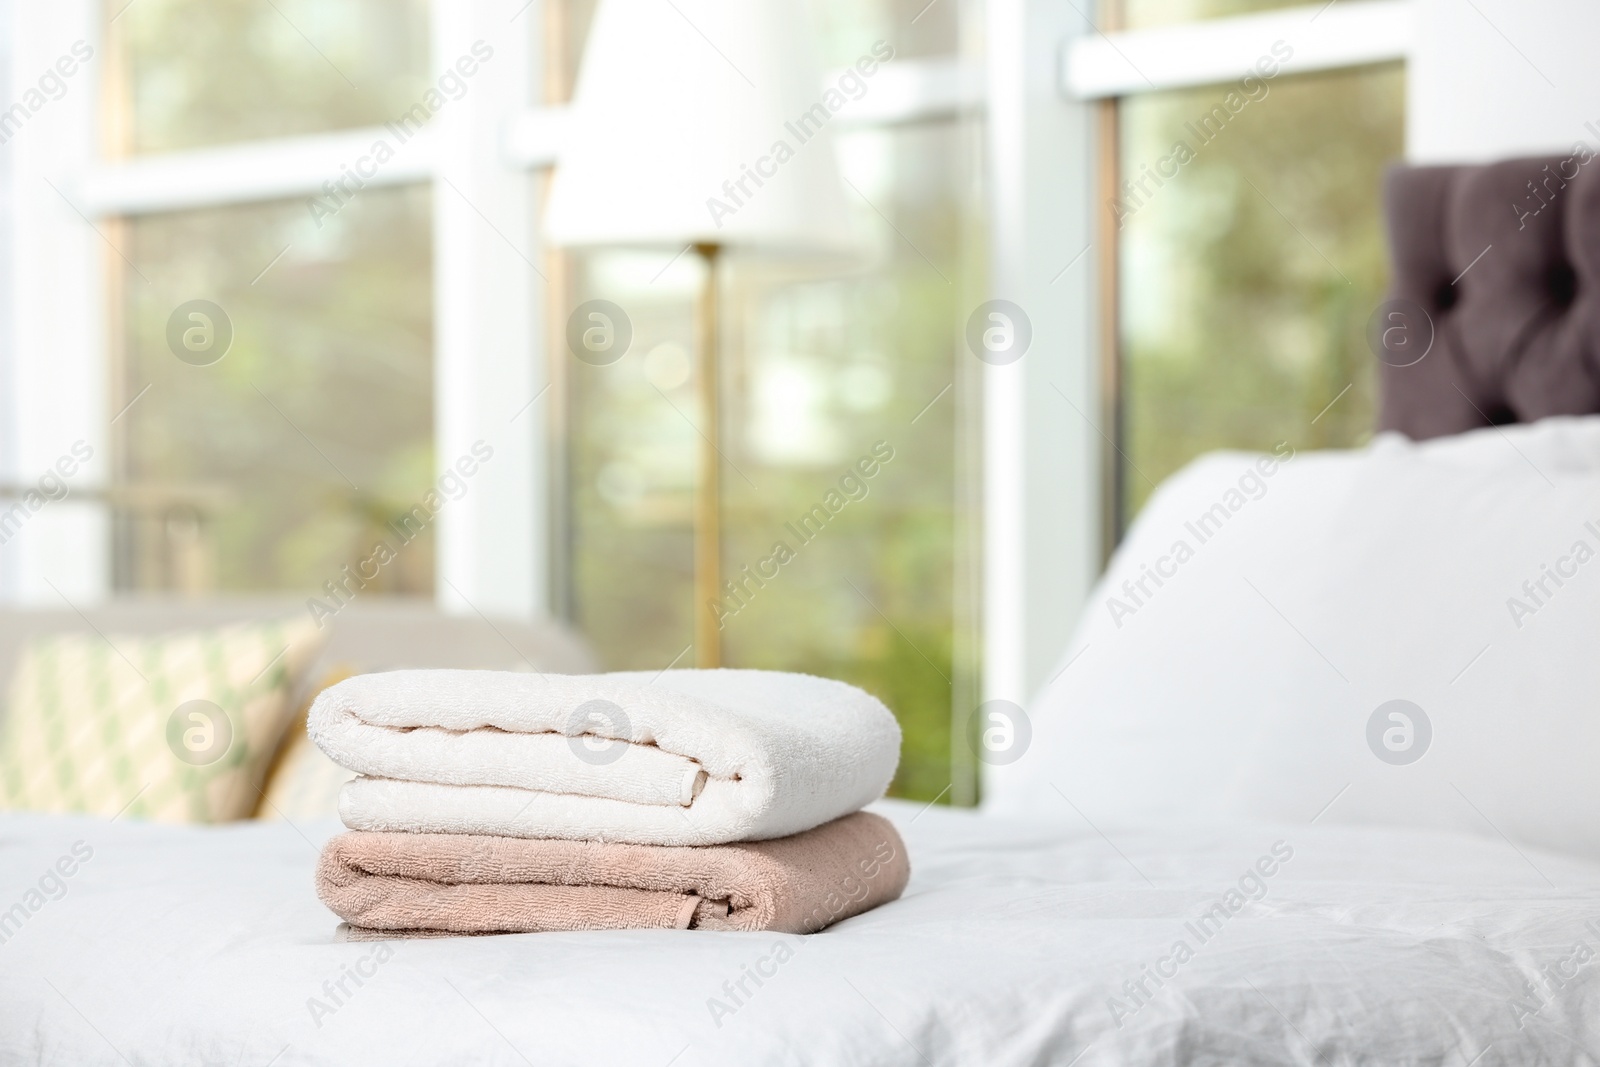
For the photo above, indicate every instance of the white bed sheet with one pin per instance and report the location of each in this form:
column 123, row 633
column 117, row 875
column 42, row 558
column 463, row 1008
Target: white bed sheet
column 178, row 945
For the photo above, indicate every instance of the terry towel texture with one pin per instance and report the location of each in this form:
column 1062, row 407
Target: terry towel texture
column 677, row 758
column 424, row 884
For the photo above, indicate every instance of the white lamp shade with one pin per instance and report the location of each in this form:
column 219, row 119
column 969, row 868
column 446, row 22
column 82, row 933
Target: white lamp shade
column 700, row 122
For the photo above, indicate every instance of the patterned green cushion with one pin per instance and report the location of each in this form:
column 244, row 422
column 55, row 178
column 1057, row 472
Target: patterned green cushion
column 176, row 728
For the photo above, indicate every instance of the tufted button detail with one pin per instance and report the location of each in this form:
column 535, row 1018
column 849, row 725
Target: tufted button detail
column 1519, row 339
column 1563, row 283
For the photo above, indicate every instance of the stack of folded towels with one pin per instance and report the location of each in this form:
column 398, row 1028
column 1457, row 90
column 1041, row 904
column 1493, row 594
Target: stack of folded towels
column 498, row 802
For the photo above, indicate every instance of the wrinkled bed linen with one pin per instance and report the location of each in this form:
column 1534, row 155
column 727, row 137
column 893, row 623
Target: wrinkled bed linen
column 1015, row 944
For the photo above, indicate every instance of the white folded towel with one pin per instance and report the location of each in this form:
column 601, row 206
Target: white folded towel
column 676, row 758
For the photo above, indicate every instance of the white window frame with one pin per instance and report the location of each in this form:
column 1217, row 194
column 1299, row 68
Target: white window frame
column 1041, row 484
column 1043, row 445
column 490, row 321
column 57, row 354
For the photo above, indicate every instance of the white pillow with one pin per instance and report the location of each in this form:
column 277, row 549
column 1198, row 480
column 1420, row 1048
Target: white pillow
column 1325, row 585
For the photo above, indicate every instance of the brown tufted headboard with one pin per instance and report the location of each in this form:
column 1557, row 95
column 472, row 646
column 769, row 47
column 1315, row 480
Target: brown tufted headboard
column 1517, row 337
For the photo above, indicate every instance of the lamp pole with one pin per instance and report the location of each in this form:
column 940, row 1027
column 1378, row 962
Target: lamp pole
column 708, row 487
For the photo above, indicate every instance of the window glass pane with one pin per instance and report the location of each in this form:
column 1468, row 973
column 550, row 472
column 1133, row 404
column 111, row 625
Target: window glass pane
column 632, row 463
column 819, row 369
column 294, row 453
column 1249, row 271
column 914, row 28
column 832, row 375
column 204, row 72
column 823, row 377
column 1141, row 14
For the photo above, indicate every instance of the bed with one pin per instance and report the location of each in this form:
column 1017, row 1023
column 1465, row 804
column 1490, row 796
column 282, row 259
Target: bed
column 1017, row 943
column 1215, row 843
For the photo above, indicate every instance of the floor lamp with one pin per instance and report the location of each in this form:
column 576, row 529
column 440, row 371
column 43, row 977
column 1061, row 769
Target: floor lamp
column 701, row 125
column 708, row 471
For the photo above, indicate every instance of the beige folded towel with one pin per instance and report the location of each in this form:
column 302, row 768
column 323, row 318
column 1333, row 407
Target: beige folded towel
column 470, row 884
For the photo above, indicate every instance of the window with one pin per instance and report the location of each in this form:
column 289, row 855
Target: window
column 377, row 337
column 279, row 464
column 1247, row 278
column 374, row 331
column 1244, row 213
column 325, row 189
column 821, row 372
column 275, row 461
